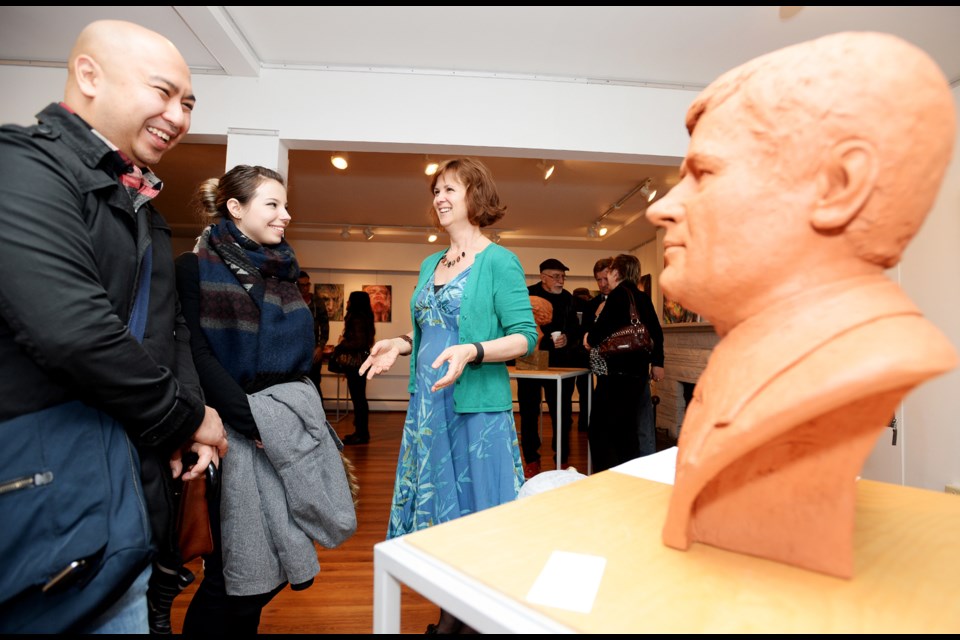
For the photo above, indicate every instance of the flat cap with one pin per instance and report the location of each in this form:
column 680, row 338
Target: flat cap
column 553, row 263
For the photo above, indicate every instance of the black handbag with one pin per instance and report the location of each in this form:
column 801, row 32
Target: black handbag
column 344, row 359
column 627, row 339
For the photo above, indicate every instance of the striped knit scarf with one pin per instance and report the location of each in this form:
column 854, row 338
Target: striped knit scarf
column 251, row 311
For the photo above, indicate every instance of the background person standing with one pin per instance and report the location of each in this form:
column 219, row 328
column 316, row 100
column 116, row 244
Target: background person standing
column 563, row 353
column 358, row 336
column 621, row 423
column 321, row 326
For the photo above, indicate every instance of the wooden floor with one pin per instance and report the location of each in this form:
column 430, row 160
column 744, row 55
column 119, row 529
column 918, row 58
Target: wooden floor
column 341, row 598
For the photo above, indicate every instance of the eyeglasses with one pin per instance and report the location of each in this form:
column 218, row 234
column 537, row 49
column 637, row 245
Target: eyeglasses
column 559, row 276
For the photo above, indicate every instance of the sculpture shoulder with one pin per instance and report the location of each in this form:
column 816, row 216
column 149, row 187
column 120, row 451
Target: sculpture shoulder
column 886, row 354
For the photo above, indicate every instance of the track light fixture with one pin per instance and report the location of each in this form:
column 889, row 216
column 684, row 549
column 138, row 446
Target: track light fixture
column 598, row 229
column 387, row 232
column 431, row 167
column 339, row 160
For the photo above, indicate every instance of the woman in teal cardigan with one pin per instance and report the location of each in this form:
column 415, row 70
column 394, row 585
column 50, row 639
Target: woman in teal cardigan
column 471, row 313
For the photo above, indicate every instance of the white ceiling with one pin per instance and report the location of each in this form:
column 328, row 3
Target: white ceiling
column 677, row 47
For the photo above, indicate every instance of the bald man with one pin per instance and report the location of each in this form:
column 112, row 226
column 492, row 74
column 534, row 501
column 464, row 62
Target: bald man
column 93, row 352
column 809, row 170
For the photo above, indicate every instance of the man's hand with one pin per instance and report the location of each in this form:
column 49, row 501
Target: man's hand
column 212, row 432
column 205, row 455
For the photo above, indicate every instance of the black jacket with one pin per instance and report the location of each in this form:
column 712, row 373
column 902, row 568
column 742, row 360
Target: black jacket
column 72, row 246
column 565, row 321
column 616, row 315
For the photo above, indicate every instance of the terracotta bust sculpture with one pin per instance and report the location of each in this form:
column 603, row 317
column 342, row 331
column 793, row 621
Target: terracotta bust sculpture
column 808, row 171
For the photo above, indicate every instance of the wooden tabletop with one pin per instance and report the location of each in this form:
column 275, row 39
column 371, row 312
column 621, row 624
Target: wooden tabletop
column 907, row 572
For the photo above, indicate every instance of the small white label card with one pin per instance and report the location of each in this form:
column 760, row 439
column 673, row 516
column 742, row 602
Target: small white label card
column 568, row 581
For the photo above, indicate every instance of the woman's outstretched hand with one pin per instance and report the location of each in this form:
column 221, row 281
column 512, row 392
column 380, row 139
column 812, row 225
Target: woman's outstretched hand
column 382, row 356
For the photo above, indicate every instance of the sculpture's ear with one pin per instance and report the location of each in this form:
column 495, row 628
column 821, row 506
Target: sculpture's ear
column 845, row 181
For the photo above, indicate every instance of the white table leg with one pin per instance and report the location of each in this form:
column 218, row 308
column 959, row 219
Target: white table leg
column 559, row 427
column 386, row 601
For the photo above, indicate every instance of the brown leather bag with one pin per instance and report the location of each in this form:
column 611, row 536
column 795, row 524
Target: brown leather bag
column 193, row 521
column 632, row 337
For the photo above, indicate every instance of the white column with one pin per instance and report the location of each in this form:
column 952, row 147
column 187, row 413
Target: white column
column 257, row 147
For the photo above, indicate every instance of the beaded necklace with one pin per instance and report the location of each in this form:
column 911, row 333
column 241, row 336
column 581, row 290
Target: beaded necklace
column 449, row 263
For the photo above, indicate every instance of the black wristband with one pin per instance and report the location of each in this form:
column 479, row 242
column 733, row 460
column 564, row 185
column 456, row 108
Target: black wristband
column 479, row 358
column 409, row 341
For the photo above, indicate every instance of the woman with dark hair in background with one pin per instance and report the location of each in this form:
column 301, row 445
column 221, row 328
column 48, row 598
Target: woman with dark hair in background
column 621, row 420
column 358, row 334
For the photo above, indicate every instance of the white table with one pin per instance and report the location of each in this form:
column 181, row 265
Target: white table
column 558, row 374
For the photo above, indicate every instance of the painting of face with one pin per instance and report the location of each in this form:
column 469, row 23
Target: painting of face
column 381, row 300
column 331, row 295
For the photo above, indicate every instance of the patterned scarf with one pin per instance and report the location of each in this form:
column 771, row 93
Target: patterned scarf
column 251, row 311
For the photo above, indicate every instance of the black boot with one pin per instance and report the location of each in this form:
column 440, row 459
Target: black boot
column 165, row 585
column 357, row 438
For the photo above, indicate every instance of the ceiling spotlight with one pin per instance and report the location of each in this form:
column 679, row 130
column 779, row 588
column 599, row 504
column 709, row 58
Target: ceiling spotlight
column 345, row 233
column 592, row 231
column 431, row 167
column 368, row 233
column 547, row 168
column 647, row 192
column 602, row 231
column 432, row 237
column 339, row 160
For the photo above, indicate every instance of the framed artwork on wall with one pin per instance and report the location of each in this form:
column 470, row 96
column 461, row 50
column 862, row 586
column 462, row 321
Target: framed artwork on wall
column 674, row 313
column 381, row 299
column 645, row 285
column 331, row 295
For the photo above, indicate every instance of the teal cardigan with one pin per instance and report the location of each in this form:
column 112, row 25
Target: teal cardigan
column 495, row 303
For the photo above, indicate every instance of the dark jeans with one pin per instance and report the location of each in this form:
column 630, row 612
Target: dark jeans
column 357, row 385
column 528, row 397
column 621, row 422
column 212, row 611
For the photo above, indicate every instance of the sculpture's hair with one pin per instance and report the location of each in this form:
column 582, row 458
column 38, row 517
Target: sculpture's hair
column 871, row 87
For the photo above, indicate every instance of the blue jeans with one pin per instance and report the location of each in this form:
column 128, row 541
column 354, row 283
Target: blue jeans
column 129, row 613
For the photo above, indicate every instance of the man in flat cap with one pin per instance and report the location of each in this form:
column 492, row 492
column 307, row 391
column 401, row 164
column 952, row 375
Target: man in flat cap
column 561, row 350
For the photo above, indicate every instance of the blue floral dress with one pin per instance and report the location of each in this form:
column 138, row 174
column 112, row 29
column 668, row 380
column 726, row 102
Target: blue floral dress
column 450, row 464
